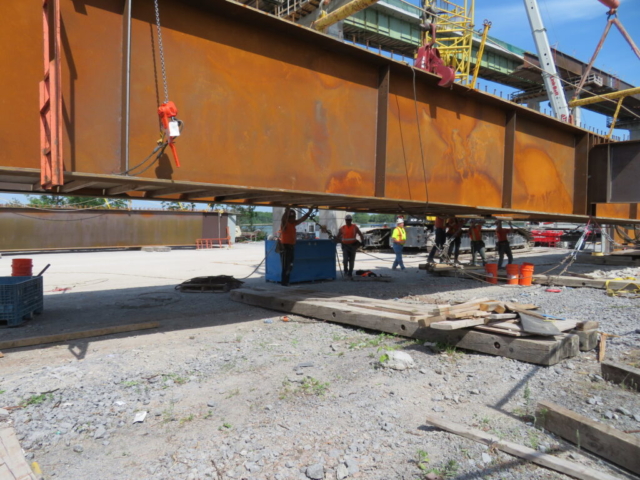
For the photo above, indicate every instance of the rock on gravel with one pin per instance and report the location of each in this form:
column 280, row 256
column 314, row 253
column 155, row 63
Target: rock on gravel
column 398, row 360
column 315, row 471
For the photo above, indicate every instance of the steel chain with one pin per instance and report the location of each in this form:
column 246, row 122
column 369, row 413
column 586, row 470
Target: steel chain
column 161, row 51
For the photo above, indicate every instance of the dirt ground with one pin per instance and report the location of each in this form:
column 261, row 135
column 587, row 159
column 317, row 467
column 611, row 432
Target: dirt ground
column 232, row 391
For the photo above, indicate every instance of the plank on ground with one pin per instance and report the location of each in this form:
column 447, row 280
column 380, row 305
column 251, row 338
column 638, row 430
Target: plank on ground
column 549, row 461
column 547, row 351
column 565, row 281
column 609, row 443
column 621, row 374
column 65, row 337
column 457, row 324
column 501, row 331
column 13, row 465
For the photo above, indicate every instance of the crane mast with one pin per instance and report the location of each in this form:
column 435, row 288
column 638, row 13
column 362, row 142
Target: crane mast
column 552, row 82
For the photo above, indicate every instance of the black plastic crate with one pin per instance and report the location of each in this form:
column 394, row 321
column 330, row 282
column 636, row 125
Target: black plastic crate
column 20, row 298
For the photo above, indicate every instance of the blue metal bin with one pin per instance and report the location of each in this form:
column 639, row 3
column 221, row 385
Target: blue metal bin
column 313, row 260
column 20, row 298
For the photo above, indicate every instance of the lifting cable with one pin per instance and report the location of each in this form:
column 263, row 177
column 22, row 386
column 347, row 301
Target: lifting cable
column 170, row 125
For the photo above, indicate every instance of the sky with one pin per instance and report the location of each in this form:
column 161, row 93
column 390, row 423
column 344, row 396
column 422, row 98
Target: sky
column 573, row 27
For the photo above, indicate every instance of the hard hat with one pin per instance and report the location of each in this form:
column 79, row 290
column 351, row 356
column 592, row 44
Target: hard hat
column 399, row 221
column 348, row 217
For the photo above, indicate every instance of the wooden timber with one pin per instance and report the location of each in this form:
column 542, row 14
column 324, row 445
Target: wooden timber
column 541, row 351
column 621, row 374
column 607, row 442
column 617, row 260
column 68, row 336
column 549, row 461
column 565, row 281
column 13, row 465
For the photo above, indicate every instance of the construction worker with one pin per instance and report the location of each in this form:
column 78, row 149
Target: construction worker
column 398, row 237
column 347, row 237
column 503, row 243
column 477, row 244
column 454, row 234
column 288, row 235
column 440, row 238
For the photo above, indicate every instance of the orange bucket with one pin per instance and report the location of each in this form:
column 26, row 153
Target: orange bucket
column 491, row 270
column 513, row 274
column 21, row 267
column 526, row 274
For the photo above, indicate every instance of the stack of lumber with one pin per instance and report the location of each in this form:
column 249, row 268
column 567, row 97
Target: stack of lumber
column 499, row 317
column 414, row 320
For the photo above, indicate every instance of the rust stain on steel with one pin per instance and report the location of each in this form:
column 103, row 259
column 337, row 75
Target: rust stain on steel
column 544, row 168
column 259, row 109
column 22, row 70
column 91, row 51
column 616, row 210
column 463, row 143
column 24, row 229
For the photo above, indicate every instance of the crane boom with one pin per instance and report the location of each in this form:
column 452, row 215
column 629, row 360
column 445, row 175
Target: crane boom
column 552, row 82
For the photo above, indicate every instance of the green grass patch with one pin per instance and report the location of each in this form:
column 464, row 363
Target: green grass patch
column 37, row 399
column 448, row 470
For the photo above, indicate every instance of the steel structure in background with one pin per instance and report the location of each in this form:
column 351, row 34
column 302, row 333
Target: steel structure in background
column 620, row 95
column 27, row 229
column 454, row 37
column 552, row 82
column 280, row 114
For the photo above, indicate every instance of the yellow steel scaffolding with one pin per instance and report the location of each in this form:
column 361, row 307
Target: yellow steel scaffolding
column 454, row 34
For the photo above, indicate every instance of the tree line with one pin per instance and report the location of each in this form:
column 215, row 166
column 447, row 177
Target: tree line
column 247, row 215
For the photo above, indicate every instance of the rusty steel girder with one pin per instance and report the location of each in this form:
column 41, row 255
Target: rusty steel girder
column 276, row 114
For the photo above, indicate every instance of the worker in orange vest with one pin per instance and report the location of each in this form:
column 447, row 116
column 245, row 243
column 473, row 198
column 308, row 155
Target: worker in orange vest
column 347, row 237
column 503, row 243
column 440, row 238
column 477, row 244
column 288, row 235
column 454, row 232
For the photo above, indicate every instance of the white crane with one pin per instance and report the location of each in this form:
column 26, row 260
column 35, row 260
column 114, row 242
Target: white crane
column 552, row 82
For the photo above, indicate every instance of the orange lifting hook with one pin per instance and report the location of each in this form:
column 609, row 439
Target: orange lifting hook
column 168, row 113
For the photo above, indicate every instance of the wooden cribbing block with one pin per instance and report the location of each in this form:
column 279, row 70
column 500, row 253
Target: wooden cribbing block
column 547, row 351
column 588, row 339
column 607, row 442
column 621, row 374
column 68, row 336
column 549, row 461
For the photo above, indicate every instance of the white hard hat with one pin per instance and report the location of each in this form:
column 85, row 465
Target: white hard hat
column 399, row 221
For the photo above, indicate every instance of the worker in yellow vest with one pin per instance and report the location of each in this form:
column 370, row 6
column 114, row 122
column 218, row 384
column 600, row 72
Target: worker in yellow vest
column 347, row 236
column 398, row 238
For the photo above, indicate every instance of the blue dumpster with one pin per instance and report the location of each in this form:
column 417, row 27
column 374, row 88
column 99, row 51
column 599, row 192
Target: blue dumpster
column 313, row 260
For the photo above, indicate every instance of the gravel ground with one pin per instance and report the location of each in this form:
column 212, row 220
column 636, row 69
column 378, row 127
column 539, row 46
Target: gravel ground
column 231, row 391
